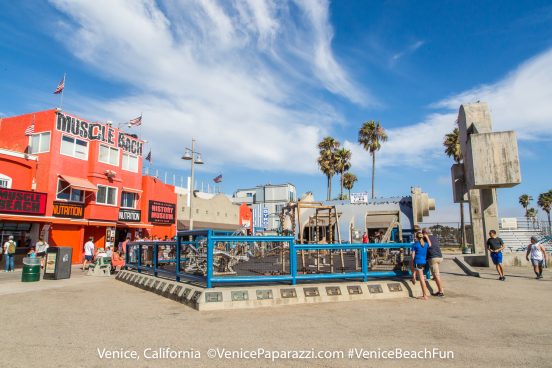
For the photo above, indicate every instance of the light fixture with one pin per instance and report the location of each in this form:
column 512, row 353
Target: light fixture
column 195, row 158
column 187, row 155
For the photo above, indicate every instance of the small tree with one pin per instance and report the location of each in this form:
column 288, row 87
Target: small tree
column 370, row 137
column 342, row 164
column 349, row 181
column 525, row 200
column 451, row 142
column 545, row 202
column 532, row 215
column 326, row 160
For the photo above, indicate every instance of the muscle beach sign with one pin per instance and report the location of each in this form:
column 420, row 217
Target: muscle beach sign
column 98, row 132
column 22, row 202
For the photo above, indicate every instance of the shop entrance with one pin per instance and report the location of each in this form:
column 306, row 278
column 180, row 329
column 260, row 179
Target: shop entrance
column 122, row 233
column 20, row 231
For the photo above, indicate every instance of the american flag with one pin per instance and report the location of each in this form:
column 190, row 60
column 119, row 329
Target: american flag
column 30, row 128
column 218, row 179
column 136, row 121
column 148, row 157
column 60, row 86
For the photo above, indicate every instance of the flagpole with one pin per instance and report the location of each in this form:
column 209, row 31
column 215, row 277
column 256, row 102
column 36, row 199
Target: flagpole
column 61, row 102
column 141, row 137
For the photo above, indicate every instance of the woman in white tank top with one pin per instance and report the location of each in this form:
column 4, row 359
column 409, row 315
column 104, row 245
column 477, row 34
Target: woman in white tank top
column 538, row 256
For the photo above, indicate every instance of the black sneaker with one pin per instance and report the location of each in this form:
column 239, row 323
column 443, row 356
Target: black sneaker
column 503, row 278
column 440, row 294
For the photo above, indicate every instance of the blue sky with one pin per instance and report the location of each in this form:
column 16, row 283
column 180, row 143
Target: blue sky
column 259, row 83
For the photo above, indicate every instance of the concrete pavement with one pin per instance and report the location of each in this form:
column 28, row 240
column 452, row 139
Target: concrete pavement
column 484, row 322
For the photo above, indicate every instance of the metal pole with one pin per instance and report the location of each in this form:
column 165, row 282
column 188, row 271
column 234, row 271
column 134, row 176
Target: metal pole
column 177, row 266
column 192, row 188
column 155, row 258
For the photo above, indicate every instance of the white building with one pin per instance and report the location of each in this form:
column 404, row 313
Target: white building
column 267, row 202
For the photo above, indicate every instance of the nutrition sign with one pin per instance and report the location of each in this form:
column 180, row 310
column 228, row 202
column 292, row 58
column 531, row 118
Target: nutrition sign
column 161, row 212
column 22, row 202
column 70, row 210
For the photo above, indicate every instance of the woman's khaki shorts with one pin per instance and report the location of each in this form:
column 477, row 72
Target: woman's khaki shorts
column 434, row 264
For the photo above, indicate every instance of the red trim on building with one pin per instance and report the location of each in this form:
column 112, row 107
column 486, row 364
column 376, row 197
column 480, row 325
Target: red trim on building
column 95, row 159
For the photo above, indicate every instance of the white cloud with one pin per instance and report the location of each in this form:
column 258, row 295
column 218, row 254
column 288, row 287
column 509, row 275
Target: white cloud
column 410, row 49
column 521, row 101
column 236, row 76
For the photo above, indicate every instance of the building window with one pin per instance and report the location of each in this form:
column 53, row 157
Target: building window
column 39, row 143
column 128, row 200
column 106, row 195
column 5, row 181
column 74, row 147
column 65, row 192
column 130, row 162
column 249, row 195
column 109, row 155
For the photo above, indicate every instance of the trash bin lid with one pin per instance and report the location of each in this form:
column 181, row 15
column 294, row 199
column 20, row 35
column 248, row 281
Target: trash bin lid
column 31, row 261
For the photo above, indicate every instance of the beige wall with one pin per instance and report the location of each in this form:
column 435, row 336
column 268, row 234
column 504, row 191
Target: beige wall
column 218, row 209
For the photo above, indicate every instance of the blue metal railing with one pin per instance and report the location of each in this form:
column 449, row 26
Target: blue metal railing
column 144, row 256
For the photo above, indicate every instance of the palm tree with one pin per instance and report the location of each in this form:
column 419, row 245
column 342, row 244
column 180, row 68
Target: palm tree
column 326, row 160
column 524, row 200
column 370, row 136
column 342, row 164
column 545, row 202
column 532, row 215
column 452, row 149
column 349, row 180
column 452, row 145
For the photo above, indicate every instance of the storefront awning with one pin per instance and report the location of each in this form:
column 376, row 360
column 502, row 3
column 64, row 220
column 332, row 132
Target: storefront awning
column 134, row 225
column 80, row 184
column 100, row 223
column 132, row 190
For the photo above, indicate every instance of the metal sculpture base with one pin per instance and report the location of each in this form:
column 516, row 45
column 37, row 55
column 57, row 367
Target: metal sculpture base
column 239, row 297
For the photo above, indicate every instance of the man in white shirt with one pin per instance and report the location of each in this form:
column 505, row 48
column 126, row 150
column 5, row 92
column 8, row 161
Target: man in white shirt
column 88, row 252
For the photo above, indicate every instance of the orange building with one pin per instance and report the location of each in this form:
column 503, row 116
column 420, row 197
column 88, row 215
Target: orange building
column 71, row 179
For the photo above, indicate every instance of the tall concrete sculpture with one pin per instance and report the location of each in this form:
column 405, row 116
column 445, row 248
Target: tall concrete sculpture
column 490, row 161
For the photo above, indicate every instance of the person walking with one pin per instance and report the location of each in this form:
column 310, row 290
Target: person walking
column 419, row 257
column 495, row 245
column 41, row 246
column 434, row 257
column 9, row 254
column 88, row 252
column 538, row 256
column 364, row 238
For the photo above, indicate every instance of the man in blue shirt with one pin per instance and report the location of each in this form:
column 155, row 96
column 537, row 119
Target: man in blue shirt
column 495, row 245
column 419, row 256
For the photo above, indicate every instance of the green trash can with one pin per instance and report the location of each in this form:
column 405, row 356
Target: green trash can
column 31, row 269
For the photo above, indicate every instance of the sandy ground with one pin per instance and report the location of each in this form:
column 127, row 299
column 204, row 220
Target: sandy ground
column 484, row 322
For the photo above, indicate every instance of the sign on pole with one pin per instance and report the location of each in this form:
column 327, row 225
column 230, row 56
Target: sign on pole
column 359, row 197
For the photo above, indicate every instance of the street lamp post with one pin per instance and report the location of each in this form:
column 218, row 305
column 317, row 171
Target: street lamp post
column 195, row 158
